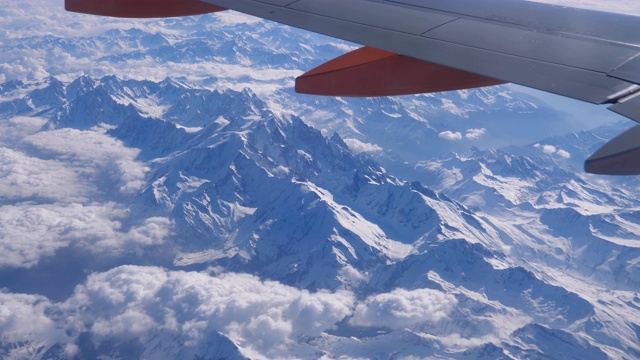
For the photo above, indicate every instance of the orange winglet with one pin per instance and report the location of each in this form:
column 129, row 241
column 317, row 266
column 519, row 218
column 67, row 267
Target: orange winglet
column 140, row 8
column 369, row 72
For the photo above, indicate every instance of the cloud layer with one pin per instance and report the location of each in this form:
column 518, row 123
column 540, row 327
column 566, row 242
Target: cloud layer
column 66, row 188
column 264, row 318
column 403, row 308
column 358, row 146
column 473, row 134
column 552, row 150
column 23, row 316
column 450, row 135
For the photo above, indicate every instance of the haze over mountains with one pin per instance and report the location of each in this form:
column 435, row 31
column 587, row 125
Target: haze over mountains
column 169, row 197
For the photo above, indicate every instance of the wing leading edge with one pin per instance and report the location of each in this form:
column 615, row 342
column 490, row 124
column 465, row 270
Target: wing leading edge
column 586, row 55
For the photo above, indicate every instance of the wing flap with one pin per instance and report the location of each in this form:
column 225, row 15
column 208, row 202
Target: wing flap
column 620, row 156
column 367, row 72
column 629, row 106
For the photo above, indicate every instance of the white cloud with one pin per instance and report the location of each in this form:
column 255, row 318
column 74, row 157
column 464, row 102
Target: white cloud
column 548, row 149
column 52, row 190
column 358, row 146
column 450, row 135
column 349, row 274
column 129, row 324
column 93, row 153
column 552, row 150
column 29, row 232
column 403, row 308
column 23, row 316
column 153, row 231
column 262, row 317
column 65, row 165
column 28, row 178
column 265, row 319
column 564, row 154
column 473, row 134
column 16, row 128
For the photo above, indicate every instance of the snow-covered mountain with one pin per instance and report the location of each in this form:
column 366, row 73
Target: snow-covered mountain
column 509, row 257
column 214, row 214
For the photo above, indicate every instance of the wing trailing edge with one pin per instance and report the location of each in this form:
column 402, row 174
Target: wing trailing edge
column 141, row 8
column 368, row 72
column 620, row 156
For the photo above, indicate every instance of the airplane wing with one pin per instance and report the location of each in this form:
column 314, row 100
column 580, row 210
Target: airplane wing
column 414, row 46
